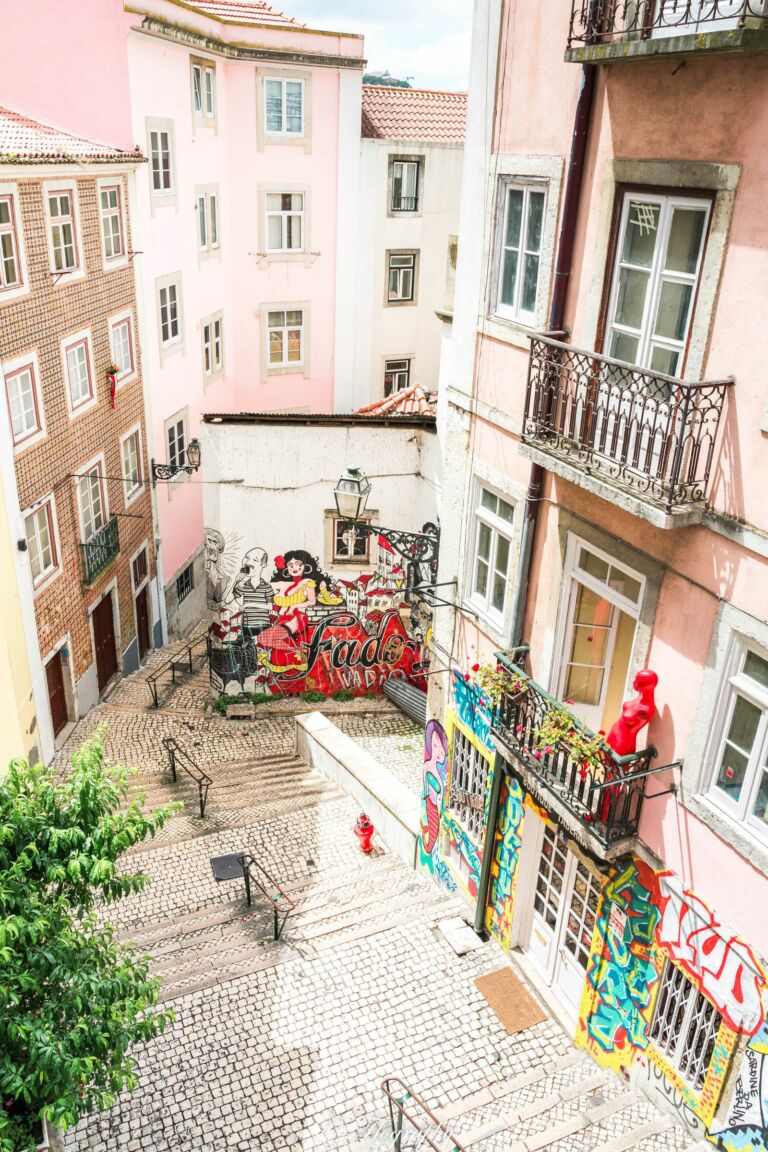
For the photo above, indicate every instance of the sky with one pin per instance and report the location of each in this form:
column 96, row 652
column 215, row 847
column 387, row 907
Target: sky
column 426, row 42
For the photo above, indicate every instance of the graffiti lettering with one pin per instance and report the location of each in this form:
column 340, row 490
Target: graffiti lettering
column 433, row 791
column 472, row 709
column 506, row 853
column 746, row 1126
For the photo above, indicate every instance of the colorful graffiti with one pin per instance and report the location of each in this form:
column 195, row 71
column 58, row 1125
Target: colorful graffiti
column 303, row 628
column 433, row 792
column 506, row 856
column 472, row 709
column 721, row 965
column 614, row 1016
column 745, row 1128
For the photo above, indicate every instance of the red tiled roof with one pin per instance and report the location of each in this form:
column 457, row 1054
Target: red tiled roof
column 242, row 12
column 411, row 401
column 391, row 113
column 29, row 141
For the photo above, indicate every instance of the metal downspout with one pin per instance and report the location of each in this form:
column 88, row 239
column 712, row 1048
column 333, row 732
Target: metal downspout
column 565, row 245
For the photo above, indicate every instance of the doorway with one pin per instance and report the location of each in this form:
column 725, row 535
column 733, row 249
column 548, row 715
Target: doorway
column 104, row 641
column 57, row 698
column 562, row 914
column 142, row 623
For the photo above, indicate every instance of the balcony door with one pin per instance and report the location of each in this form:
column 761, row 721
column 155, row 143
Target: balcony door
column 599, row 612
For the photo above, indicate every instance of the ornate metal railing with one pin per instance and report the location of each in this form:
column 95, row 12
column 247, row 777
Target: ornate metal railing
column 603, row 791
column 100, row 550
column 651, row 433
column 604, row 21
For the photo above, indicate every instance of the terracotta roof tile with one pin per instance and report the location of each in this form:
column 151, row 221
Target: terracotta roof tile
column 242, row 12
column 25, row 140
column 411, row 401
column 413, row 114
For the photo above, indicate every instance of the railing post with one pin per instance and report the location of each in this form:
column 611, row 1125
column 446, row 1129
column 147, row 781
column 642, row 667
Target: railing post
column 677, row 459
column 172, row 757
column 247, row 879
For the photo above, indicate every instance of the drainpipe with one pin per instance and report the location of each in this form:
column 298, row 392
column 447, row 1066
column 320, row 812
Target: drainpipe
column 565, row 245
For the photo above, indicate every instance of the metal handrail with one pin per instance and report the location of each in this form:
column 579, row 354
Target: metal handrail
column 280, row 902
column 178, row 758
column 397, row 1113
column 607, row 21
column 174, row 662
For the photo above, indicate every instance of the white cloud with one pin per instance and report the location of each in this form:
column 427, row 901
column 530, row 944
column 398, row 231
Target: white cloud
column 428, row 42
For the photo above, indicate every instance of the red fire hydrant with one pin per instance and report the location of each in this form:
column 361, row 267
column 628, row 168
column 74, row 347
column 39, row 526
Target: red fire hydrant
column 364, row 831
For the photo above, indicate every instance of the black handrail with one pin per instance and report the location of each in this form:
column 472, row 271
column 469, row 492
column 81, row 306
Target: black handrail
column 178, row 758
column 398, row 1095
column 178, row 662
column 608, row 21
column 280, row 902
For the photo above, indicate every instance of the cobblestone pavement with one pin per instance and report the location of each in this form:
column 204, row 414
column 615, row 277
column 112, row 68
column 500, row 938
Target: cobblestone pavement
column 282, row 1046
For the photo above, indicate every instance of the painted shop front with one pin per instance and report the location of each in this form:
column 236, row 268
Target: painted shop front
column 649, row 979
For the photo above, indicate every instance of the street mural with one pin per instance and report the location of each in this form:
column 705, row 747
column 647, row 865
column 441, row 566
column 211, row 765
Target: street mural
column 433, row 791
column 283, row 625
column 506, row 857
column 745, row 1128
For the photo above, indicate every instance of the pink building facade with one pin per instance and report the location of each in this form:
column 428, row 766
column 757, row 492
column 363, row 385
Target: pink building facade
column 603, row 423
column 244, row 217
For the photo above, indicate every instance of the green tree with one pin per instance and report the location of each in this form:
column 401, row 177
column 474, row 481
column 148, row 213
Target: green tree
column 73, row 1000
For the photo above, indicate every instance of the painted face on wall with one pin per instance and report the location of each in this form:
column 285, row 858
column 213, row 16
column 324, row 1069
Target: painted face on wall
column 254, row 563
column 295, row 568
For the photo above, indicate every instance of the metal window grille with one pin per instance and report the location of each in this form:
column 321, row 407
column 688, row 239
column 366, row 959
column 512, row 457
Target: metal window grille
column 184, row 584
column 582, row 913
column 140, row 568
column 685, row 1026
column 469, row 776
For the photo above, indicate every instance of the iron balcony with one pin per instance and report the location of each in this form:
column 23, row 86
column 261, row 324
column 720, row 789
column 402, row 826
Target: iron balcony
column 100, row 550
column 636, row 437
column 598, row 799
column 603, row 30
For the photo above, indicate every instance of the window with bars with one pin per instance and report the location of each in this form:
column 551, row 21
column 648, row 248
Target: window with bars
column 582, row 913
column 685, row 1026
column 110, row 203
column 23, row 403
column 10, row 266
column 494, row 518
column 185, row 582
column 285, row 221
column 347, row 544
column 284, row 107
column 469, row 775
column 140, row 568
column 61, row 214
column 405, row 186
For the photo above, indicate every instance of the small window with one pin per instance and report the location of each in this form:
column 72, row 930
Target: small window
column 170, row 330
column 23, row 403
column 401, row 277
column 213, row 352
column 140, row 568
column 285, row 221
column 78, row 361
column 469, row 776
column 197, row 89
column 10, row 265
column 61, row 215
column 207, row 221
column 347, row 544
column 177, row 444
column 494, row 518
column 185, row 583
column 110, row 201
column 284, row 107
column 38, row 527
column 90, row 495
column 397, row 376
column 160, row 160
column 210, row 93
column 685, row 1026
column 286, row 338
column 405, row 185
column 204, row 90
column 131, row 456
column 740, row 773
column 520, row 258
column 122, row 347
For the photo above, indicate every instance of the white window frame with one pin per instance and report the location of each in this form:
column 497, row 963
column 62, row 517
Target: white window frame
column 164, row 286
column 68, row 344
column 515, row 311
column 282, row 215
column 283, row 131
column 130, row 494
column 165, row 194
column 53, row 188
column 498, row 527
column 96, row 465
column 171, row 425
column 10, row 193
column 208, row 220
column 667, row 204
column 736, row 683
column 388, row 370
column 13, row 368
column 676, row 1052
column 113, row 323
column 106, row 186
column 212, row 332
column 46, row 577
column 293, row 365
column 196, row 75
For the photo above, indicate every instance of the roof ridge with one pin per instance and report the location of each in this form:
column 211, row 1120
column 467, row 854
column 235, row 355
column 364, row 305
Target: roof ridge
column 397, row 88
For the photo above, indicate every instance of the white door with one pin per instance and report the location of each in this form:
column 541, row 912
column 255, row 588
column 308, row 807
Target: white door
column 592, row 624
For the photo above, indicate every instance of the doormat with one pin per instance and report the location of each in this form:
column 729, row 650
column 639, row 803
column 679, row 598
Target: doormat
column 227, row 867
column 510, row 1000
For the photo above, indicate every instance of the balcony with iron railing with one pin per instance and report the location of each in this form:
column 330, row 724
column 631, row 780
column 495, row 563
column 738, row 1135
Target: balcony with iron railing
column 594, row 793
column 100, row 550
column 602, row 30
column 638, row 438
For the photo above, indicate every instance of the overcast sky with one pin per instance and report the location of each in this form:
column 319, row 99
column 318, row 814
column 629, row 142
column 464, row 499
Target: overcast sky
column 427, row 42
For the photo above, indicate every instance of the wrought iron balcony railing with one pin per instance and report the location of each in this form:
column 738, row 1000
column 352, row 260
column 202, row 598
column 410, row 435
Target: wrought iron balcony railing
column 649, row 433
column 607, row 21
column 602, row 791
column 100, row 550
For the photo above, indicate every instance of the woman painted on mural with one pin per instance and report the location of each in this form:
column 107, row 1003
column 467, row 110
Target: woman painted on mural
column 298, row 583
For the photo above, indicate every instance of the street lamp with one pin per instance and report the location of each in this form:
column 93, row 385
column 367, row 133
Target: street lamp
column 168, row 471
column 351, row 496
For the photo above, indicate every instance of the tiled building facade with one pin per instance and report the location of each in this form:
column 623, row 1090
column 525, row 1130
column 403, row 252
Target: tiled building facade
column 73, row 413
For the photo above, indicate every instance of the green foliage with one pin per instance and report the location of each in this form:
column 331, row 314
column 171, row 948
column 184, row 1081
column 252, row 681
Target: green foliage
column 222, row 703
column 314, row 697
column 72, row 998
column 343, row 694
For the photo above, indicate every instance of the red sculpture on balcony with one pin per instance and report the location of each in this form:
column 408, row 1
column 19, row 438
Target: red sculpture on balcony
column 635, row 714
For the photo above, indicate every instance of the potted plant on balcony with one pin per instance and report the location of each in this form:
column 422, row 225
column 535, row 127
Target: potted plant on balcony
column 494, row 681
column 560, row 729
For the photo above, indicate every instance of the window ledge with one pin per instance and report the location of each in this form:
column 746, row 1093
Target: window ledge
column 729, row 830
column 491, row 628
column 721, row 40
column 510, row 331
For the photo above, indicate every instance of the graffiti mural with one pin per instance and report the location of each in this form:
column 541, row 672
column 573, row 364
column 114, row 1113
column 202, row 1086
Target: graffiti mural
column 433, row 791
column 506, row 857
column 745, row 1128
column 297, row 627
column 471, row 707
